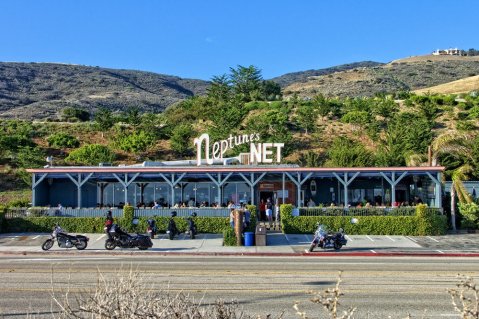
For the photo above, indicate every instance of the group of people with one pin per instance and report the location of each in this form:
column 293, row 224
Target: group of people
column 246, row 214
column 266, row 210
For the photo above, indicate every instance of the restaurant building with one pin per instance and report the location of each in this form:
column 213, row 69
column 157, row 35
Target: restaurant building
column 214, row 180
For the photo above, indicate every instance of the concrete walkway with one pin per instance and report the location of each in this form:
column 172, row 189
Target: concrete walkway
column 277, row 244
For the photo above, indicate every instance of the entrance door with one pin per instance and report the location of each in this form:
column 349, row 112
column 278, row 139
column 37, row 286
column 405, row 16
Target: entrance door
column 265, row 195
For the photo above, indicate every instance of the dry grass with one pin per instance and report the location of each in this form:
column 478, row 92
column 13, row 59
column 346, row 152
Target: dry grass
column 465, row 298
column 127, row 295
column 455, row 87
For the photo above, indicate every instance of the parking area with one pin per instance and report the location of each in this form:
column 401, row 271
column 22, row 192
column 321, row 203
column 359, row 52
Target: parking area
column 276, row 243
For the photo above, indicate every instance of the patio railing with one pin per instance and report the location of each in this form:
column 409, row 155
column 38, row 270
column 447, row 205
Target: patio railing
column 363, row 211
column 116, row 212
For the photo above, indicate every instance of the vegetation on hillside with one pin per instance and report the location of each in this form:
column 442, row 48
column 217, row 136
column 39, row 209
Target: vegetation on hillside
column 383, row 130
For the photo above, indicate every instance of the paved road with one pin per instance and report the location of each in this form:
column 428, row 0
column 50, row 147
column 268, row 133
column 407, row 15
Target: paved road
column 378, row 286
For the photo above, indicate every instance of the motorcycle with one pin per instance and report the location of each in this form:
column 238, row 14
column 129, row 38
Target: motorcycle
column 117, row 237
column 191, row 226
column 151, row 228
column 324, row 239
column 172, row 230
column 64, row 240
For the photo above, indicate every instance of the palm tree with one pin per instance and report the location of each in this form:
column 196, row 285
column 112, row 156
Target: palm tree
column 449, row 143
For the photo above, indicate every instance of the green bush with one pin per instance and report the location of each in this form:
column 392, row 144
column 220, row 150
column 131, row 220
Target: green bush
column 214, row 225
column 45, row 224
column 135, row 142
column 19, row 203
column 62, row 140
column 229, row 237
column 90, row 154
column 426, row 222
column 470, row 214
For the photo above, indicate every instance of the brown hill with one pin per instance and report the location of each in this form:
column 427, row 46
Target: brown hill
column 400, row 75
column 40, row 90
column 455, row 87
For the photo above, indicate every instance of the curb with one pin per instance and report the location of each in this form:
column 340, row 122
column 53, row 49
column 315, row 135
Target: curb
column 246, row 254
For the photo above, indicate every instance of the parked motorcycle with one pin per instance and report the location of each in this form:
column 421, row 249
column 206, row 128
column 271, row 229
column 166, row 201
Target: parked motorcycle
column 65, row 240
column 172, row 230
column 191, row 226
column 124, row 240
column 325, row 239
column 151, row 228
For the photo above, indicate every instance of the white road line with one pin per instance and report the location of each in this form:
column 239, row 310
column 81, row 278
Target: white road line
column 441, row 252
column 412, row 239
column 348, row 238
column 390, row 238
column 369, row 238
column 102, row 236
column 373, row 251
column 36, row 237
column 433, row 239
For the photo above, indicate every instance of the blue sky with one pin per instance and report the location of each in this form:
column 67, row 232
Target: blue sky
column 201, row 39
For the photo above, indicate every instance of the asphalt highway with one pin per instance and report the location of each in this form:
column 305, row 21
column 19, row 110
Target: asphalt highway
column 380, row 287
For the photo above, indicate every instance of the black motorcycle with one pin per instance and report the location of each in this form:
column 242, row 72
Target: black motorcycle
column 172, row 230
column 117, row 237
column 64, row 240
column 151, row 228
column 324, row 239
column 191, row 226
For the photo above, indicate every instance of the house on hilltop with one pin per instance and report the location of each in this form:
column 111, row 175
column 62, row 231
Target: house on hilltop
column 455, row 51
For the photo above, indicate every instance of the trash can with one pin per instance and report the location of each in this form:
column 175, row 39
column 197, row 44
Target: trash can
column 260, row 235
column 249, row 239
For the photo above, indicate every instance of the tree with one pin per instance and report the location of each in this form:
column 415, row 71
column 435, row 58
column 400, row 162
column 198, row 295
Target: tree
column 73, row 114
column 219, row 89
column 103, row 120
column 91, row 154
column 132, row 116
column 181, row 142
column 271, row 90
column 459, row 145
column 456, row 145
column 306, row 116
column 348, row 153
column 406, row 133
column 246, row 81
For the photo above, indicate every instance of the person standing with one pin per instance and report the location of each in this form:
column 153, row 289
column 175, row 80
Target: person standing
column 269, row 210
column 262, row 210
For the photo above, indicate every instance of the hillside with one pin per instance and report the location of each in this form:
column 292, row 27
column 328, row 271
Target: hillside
column 401, row 75
column 455, row 87
column 40, row 90
column 302, row 76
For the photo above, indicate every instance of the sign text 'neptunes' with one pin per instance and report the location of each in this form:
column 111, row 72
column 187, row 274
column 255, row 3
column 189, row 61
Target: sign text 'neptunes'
column 259, row 152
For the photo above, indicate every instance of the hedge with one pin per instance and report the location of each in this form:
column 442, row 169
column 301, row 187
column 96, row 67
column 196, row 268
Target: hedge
column 96, row 224
column 423, row 223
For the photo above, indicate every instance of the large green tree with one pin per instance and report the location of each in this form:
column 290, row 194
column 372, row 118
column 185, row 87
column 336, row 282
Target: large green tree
column 246, row 82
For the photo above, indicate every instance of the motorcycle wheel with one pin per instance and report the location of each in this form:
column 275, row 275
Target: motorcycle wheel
column 110, row 244
column 337, row 246
column 311, row 247
column 47, row 244
column 81, row 245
